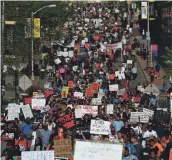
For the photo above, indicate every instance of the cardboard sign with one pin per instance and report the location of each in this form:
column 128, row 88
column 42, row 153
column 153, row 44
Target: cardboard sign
column 37, row 155
column 78, row 111
column 89, row 92
column 87, row 109
column 38, row 104
column 96, row 101
column 109, row 109
column 70, row 84
column 86, row 150
column 129, row 62
column 148, row 112
column 27, row 111
column 95, row 86
column 63, row 148
column 113, row 87
column 112, row 76
column 65, row 91
column 48, row 93
column 100, row 127
column 78, row 94
column 28, row 100
column 68, row 121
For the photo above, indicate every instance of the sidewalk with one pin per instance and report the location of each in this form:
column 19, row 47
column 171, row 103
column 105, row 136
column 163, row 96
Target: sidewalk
column 143, row 64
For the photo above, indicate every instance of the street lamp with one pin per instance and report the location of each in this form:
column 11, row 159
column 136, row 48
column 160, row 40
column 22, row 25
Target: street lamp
column 32, row 15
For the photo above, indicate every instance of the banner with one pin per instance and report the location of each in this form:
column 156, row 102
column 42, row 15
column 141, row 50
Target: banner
column 154, row 50
column 27, row 28
column 86, row 150
column 68, row 121
column 37, row 155
column 100, row 127
column 38, row 104
column 63, row 148
column 36, row 30
column 144, row 12
column 27, row 111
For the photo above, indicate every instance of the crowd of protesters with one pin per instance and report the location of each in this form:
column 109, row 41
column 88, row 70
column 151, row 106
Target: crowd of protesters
column 95, row 27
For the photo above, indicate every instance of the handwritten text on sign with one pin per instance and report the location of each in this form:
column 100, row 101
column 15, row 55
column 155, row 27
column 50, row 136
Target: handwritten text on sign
column 97, row 151
column 37, row 155
column 68, row 121
column 63, row 148
column 100, row 127
column 87, row 109
column 38, row 104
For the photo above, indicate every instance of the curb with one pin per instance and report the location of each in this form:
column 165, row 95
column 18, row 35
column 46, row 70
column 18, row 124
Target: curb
column 145, row 74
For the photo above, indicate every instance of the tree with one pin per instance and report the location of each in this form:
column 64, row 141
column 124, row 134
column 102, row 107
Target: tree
column 18, row 11
column 167, row 61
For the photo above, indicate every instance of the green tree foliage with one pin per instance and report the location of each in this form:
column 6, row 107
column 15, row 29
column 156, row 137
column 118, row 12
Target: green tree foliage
column 167, row 61
column 51, row 18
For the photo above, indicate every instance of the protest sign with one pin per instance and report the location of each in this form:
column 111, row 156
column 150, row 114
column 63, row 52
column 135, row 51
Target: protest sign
column 78, row 94
column 48, row 93
column 87, row 109
column 12, row 116
column 100, row 127
column 86, row 150
column 96, row 101
column 100, row 93
column 113, row 87
column 28, row 100
column 112, row 76
column 78, row 111
column 38, row 104
column 71, row 54
column 65, row 91
column 120, row 92
column 89, row 92
column 129, row 62
column 12, row 105
column 70, row 84
column 63, row 148
column 148, row 112
column 37, row 155
column 95, row 86
column 27, row 111
column 134, row 117
column 60, row 158
column 14, row 109
column 109, row 109
column 68, row 121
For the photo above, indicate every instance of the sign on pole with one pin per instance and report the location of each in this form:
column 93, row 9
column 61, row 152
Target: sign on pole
column 144, row 10
column 24, row 82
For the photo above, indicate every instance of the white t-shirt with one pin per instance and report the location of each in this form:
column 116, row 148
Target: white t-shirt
column 148, row 134
column 34, row 138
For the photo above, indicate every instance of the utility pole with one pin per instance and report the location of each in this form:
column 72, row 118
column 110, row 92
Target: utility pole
column 3, row 32
column 148, row 36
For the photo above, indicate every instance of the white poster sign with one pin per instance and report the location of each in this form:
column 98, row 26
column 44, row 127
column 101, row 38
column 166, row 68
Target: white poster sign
column 129, row 61
column 148, row 112
column 37, row 155
column 12, row 116
column 144, row 10
column 113, row 87
column 88, row 109
column 71, row 54
column 109, row 109
column 96, row 101
column 15, row 109
column 100, row 127
column 27, row 111
column 97, row 151
column 78, row 94
column 38, row 104
column 78, row 112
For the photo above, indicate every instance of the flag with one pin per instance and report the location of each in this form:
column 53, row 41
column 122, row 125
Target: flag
column 154, row 49
column 36, row 28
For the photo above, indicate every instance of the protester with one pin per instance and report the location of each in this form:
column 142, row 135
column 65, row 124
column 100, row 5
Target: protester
column 93, row 79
